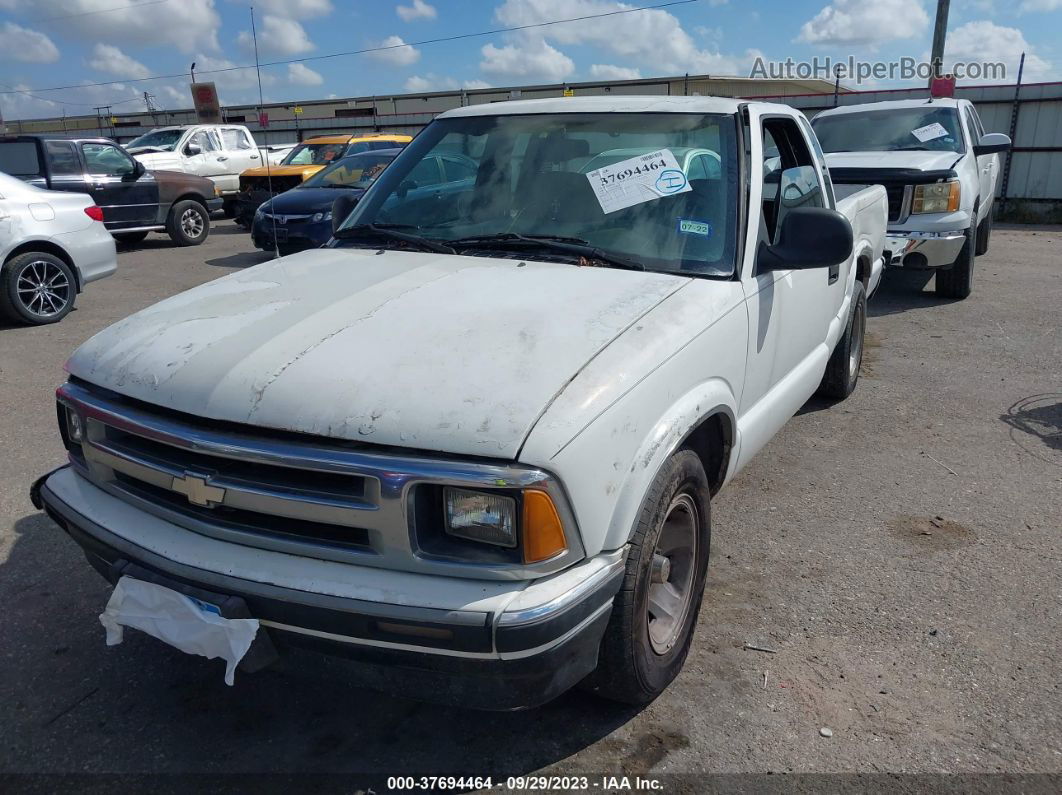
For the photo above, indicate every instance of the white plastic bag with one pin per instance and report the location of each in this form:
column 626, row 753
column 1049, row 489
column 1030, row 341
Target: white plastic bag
column 177, row 620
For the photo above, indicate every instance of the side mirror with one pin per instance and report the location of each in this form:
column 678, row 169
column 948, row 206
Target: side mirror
column 341, row 208
column 809, row 237
column 193, row 149
column 139, row 169
column 405, row 188
column 991, row 143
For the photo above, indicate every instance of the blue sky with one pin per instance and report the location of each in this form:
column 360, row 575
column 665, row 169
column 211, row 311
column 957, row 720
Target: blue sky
column 47, row 43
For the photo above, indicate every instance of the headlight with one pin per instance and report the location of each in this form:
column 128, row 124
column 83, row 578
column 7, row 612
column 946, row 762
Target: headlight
column 940, row 197
column 481, row 516
column 322, row 217
column 260, row 212
column 529, row 520
column 75, row 426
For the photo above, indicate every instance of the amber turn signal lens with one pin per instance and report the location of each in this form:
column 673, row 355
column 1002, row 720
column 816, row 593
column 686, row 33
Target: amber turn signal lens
column 543, row 532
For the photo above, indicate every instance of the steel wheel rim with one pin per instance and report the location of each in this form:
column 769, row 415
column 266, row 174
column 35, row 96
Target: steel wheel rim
column 671, row 578
column 191, row 223
column 855, row 356
column 43, row 289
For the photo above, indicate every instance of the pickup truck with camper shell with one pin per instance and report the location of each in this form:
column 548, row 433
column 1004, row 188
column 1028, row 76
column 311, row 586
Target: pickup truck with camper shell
column 219, row 152
column 940, row 169
column 135, row 200
column 472, row 443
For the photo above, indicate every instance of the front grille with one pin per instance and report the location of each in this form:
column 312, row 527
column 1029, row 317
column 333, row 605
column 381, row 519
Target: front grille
column 896, row 197
column 280, row 490
column 279, row 184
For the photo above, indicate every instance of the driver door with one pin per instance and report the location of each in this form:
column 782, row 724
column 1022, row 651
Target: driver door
column 128, row 195
column 204, row 156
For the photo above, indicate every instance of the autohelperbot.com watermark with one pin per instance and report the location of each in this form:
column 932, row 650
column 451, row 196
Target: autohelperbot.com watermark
column 853, row 69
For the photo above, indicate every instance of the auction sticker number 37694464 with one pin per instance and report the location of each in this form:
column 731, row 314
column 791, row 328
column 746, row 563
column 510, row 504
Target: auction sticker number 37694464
column 637, row 179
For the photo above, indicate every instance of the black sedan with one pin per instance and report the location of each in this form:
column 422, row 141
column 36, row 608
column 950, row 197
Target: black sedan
column 301, row 218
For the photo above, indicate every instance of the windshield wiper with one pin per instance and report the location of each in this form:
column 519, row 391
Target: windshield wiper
column 392, row 231
column 570, row 245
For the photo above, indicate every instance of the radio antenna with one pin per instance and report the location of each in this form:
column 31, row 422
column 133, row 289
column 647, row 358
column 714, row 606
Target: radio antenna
column 265, row 157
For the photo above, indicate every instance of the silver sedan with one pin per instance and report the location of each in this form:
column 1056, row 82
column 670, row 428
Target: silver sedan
column 52, row 243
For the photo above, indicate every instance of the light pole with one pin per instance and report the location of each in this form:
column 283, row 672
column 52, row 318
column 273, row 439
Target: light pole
column 940, row 32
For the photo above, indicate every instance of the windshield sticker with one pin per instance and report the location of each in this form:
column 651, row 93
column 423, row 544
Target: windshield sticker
column 637, row 180
column 930, row 132
column 687, row 226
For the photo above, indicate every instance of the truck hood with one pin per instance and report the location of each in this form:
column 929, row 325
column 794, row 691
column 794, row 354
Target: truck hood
column 448, row 353
column 282, row 171
column 922, row 161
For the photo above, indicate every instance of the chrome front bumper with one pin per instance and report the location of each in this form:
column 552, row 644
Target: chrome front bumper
column 482, row 644
column 922, row 250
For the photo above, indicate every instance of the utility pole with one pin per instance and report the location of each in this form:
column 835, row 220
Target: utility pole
column 836, row 85
column 191, row 70
column 151, row 107
column 940, row 32
column 99, row 118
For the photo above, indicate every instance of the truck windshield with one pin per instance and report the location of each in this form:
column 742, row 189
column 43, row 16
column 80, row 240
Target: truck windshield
column 355, row 171
column 163, row 140
column 313, row 154
column 648, row 190
column 895, row 130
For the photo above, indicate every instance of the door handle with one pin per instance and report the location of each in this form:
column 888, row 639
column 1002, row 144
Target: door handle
column 222, row 159
column 254, row 157
column 834, row 274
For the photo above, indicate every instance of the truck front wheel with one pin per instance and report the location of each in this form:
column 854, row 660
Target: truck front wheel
column 655, row 611
column 957, row 281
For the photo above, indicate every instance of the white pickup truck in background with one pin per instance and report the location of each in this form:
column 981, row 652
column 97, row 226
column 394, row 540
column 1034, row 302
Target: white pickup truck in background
column 940, row 169
column 472, row 443
column 220, row 152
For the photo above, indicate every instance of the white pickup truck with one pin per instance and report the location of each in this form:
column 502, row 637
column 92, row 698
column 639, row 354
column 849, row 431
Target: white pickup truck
column 219, row 151
column 940, row 169
column 473, row 442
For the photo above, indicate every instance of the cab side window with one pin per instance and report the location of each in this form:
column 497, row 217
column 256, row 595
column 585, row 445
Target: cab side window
column 235, row 139
column 204, row 140
column 784, row 186
column 974, row 125
column 107, row 160
column 62, row 158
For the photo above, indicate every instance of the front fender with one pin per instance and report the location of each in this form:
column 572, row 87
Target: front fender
column 665, row 437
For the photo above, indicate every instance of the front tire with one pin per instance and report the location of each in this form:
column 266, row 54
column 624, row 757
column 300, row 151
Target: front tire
column 984, row 235
column 654, row 614
column 842, row 370
column 188, row 223
column 957, row 281
column 36, row 289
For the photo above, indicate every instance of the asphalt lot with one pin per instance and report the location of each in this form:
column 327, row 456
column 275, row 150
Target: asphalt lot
column 900, row 552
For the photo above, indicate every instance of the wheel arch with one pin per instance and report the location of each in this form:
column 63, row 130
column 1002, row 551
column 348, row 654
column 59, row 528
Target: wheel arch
column 46, row 247
column 705, row 421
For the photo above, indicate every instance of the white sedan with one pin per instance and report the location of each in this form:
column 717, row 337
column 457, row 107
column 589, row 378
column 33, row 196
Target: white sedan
column 52, row 243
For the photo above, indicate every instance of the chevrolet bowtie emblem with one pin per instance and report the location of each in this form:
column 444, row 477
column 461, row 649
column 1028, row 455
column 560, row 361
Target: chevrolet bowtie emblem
column 197, row 490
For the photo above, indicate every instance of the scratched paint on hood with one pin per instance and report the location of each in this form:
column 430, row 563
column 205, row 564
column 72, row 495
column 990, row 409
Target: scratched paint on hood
column 447, row 353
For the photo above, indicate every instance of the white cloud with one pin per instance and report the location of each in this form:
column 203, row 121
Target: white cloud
column 985, row 41
column 233, row 80
column 183, row 24
column 1041, row 5
column 277, row 36
column 430, row 82
column 22, row 44
column 399, row 54
column 474, row 84
column 418, row 10
column 865, row 22
column 295, row 9
column 605, row 71
column 652, row 38
column 532, row 58
column 109, row 59
column 302, row 75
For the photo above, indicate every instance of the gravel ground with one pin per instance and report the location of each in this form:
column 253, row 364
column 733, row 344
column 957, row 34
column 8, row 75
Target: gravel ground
column 899, row 553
